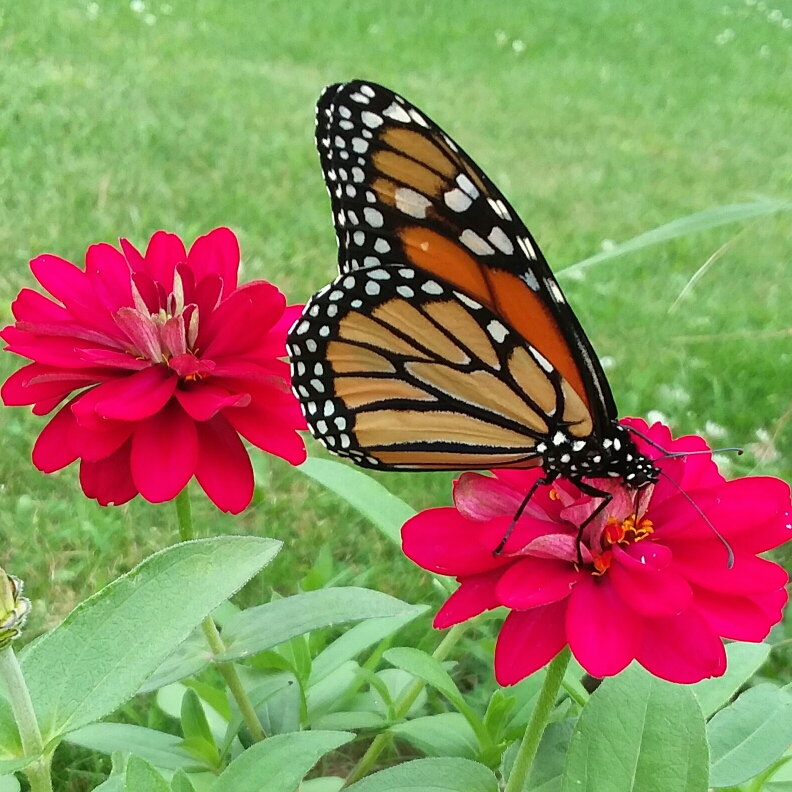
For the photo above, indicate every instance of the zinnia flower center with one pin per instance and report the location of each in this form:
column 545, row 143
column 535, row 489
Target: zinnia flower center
column 165, row 335
column 621, row 532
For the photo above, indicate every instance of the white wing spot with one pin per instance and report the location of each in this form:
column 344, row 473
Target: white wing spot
column 372, row 288
column 378, row 274
column 463, row 298
column 467, row 186
column 352, row 217
column 541, row 360
column 382, row 246
column 359, row 145
column 311, row 345
column 318, row 385
column 346, row 125
column 412, row 203
column 559, row 438
column 373, row 217
column 432, row 287
column 370, row 119
column 499, row 239
column 406, row 292
column 530, row 279
column 555, row 290
column 311, row 407
column 340, row 142
column 457, row 200
column 407, row 274
column 368, row 90
column 497, row 331
column 332, row 310
column 350, row 191
column 397, row 113
column 527, row 247
column 359, row 98
column 340, row 422
column 471, row 240
column 324, row 331
column 356, row 303
column 359, row 237
column 302, row 328
column 322, row 426
column 357, row 174
column 329, row 408
column 344, row 112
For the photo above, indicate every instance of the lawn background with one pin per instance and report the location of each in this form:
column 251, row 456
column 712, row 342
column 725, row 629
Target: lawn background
column 599, row 121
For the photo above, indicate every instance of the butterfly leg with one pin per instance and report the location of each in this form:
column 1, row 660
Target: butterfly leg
column 588, row 489
column 526, row 500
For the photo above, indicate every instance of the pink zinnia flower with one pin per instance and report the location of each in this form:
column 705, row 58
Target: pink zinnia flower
column 650, row 580
column 166, row 362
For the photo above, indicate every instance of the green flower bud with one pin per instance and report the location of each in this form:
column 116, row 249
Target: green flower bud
column 13, row 608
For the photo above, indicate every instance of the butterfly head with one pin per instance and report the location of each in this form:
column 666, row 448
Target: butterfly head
column 613, row 456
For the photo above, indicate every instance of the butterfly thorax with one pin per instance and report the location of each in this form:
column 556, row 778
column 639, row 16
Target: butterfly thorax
column 613, row 456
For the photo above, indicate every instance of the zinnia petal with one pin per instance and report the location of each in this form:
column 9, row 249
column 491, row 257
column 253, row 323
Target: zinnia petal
column 682, row 649
column 531, row 582
column 604, row 635
column 137, row 396
column 164, row 453
column 224, row 470
column 529, row 640
column 475, row 595
column 216, row 253
column 109, row 480
column 52, row 450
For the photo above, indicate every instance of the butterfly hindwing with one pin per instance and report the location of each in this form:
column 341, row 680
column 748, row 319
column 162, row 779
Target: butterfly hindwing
column 403, row 191
column 397, row 369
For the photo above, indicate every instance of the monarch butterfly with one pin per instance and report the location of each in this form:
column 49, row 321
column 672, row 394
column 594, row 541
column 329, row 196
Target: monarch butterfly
column 445, row 343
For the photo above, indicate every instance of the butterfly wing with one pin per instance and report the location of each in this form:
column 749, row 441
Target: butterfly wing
column 402, row 190
column 397, row 369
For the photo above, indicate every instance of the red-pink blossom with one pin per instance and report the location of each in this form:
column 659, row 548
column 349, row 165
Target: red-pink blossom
column 650, row 579
column 165, row 362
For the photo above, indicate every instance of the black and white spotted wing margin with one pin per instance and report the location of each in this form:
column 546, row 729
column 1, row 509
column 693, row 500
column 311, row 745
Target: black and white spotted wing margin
column 397, row 370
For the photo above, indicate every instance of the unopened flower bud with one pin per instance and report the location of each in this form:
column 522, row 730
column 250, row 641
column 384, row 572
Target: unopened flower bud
column 14, row 608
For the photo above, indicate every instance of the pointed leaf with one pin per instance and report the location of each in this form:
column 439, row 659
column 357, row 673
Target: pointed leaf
column 99, row 656
column 282, row 760
column 743, row 661
column 749, row 735
column 638, row 734
column 142, row 777
column 446, row 734
column 387, row 512
column 430, row 775
column 160, row 749
column 256, row 629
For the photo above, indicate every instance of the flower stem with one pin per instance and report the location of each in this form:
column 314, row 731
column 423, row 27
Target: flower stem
column 402, row 707
column 38, row 772
column 539, row 718
column 227, row 670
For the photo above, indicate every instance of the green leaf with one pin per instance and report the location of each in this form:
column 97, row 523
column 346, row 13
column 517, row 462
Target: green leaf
column 329, row 784
column 160, row 749
column 548, row 767
column 181, row 782
column 193, row 719
column 113, row 784
column 700, row 221
column 446, row 734
column 189, row 659
column 282, row 760
column 142, row 777
column 322, row 696
column 169, row 700
column 387, row 512
column 749, row 735
column 104, row 650
column 258, row 695
column 256, row 629
column 743, row 661
column 430, row 775
column 9, row 783
column 425, row 667
column 357, row 640
column 280, row 712
column 638, row 734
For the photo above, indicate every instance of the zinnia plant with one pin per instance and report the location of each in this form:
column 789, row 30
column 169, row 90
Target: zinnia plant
column 650, row 580
column 165, row 361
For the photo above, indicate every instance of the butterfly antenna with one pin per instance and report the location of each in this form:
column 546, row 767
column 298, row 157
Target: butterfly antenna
column 675, row 454
column 730, row 561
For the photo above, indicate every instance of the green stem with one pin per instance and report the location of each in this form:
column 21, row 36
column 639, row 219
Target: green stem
column 402, row 707
column 539, row 718
column 227, row 670
column 38, row 772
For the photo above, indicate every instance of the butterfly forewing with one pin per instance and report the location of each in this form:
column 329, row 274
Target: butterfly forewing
column 397, row 369
column 403, row 192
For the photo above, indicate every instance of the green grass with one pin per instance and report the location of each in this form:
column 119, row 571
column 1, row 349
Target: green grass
column 607, row 119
